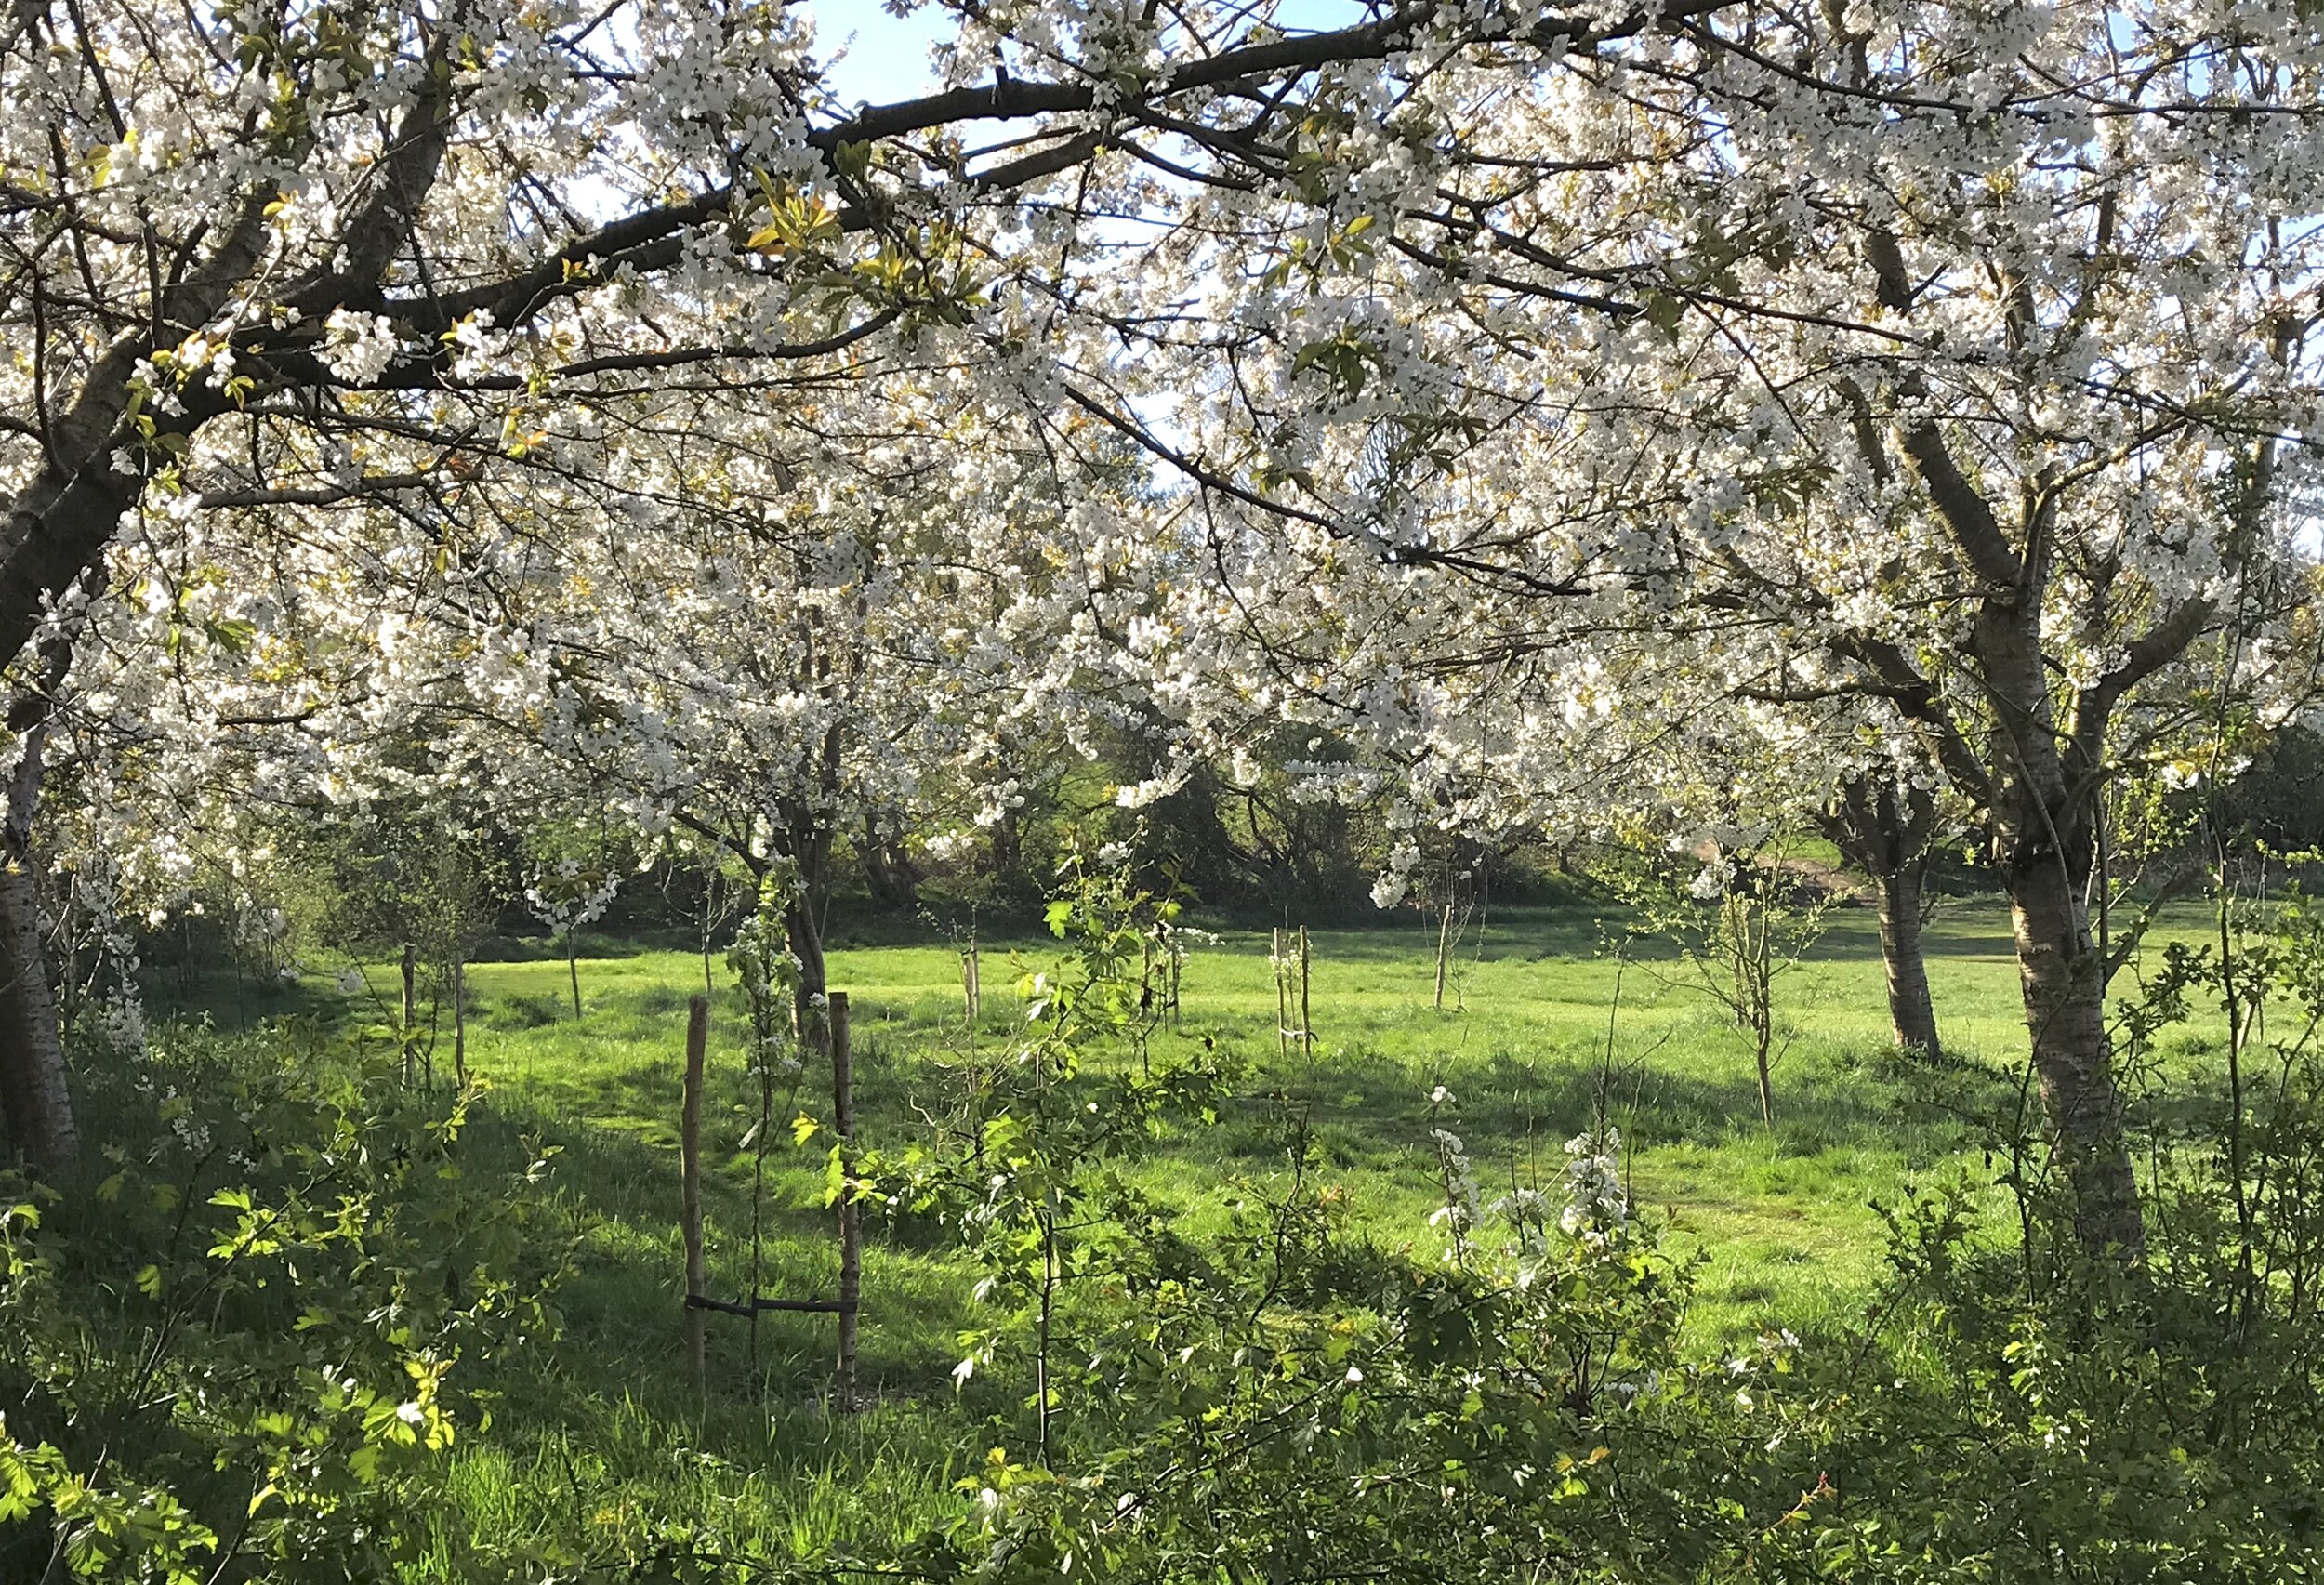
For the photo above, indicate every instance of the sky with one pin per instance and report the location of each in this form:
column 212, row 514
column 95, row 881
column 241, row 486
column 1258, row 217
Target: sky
column 888, row 59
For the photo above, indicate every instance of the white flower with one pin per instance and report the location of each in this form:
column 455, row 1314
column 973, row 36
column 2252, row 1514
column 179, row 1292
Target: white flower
column 357, row 348
column 950, row 847
column 1597, row 1212
column 1140, row 794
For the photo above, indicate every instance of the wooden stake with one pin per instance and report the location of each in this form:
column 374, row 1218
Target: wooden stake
column 1307, row 1025
column 1443, row 945
column 411, row 1007
column 459, row 1021
column 1283, row 997
column 690, row 1179
column 850, row 1251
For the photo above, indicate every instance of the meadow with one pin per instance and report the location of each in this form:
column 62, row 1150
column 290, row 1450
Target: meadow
column 1542, row 1028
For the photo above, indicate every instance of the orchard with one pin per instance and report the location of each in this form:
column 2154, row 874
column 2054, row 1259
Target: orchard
column 1287, row 790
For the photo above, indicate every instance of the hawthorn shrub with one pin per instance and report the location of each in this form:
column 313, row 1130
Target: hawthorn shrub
column 238, row 1349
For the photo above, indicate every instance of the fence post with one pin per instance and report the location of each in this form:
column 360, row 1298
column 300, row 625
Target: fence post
column 1307, row 1025
column 690, row 1159
column 850, row 1251
column 1283, row 995
column 405, row 1036
column 1443, row 945
column 459, row 1021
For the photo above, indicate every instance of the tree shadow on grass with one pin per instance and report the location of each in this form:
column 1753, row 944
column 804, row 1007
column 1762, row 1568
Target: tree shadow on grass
column 608, row 1419
column 622, row 1307
column 1578, row 935
column 1371, row 1110
column 613, row 1104
column 1409, row 941
column 234, row 1003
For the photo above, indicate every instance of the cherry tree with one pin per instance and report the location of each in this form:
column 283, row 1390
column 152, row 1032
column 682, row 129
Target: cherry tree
column 1951, row 365
column 1947, row 364
column 763, row 629
column 291, row 257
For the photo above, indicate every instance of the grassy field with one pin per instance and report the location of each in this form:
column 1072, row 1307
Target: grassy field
column 604, row 1437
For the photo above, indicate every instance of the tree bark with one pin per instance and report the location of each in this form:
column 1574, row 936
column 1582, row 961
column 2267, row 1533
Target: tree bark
column 803, row 917
column 2043, row 819
column 2063, row 978
column 690, row 1193
column 888, row 872
column 811, row 1007
column 1911, row 1013
column 1885, row 832
column 459, row 1021
column 410, row 1008
column 35, row 1093
column 1007, row 844
column 851, row 1237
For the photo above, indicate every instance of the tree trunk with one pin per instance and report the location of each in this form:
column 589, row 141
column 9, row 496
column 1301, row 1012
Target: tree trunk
column 690, row 1193
column 1910, row 1013
column 1886, row 833
column 809, row 1011
column 888, row 872
column 408, row 1033
column 1007, row 845
column 2062, row 977
column 850, row 1236
column 459, row 1021
column 2043, row 815
column 803, row 919
column 34, row 1091
column 1763, row 1044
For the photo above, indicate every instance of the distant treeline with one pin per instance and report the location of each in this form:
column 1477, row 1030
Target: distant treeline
column 1249, row 853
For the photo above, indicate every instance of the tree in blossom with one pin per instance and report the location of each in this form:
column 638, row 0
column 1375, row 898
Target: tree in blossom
column 1950, row 366
column 292, row 259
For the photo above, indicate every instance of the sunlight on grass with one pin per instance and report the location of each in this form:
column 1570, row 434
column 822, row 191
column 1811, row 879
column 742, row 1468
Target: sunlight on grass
column 1536, row 1042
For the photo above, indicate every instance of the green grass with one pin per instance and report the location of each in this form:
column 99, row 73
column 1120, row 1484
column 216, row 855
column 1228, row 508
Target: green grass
column 602, row 1436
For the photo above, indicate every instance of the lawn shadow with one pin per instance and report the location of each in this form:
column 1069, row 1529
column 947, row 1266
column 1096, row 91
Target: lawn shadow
column 622, row 1307
column 1537, row 1103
